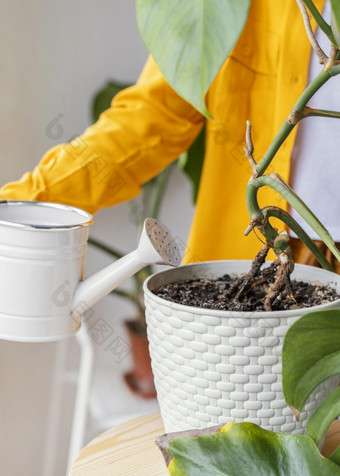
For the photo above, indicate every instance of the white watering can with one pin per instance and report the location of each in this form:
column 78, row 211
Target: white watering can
column 42, row 251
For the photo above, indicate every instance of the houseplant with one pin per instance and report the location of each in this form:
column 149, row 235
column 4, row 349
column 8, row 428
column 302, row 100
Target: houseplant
column 140, row 379
column 213, row 366
column 195, row 93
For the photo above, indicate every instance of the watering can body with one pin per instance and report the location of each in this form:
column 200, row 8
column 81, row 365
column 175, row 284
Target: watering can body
column 42, row 254
column 41, row 263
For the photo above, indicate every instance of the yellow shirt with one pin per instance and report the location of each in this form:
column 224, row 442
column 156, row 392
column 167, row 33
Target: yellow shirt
column 149, row 125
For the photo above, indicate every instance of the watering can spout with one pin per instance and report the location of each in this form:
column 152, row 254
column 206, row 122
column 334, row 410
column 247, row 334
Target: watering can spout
column 155, row 246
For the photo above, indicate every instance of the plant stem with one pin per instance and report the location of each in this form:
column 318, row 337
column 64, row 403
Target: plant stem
column 101, row 246
column 309, row 112
column 275, row 182
column 131, row 297
column 300, row 232
column 323, row 59
column 297, row 112
column 161, row 183
column 285, row 130
column 148, row 192
column 322, row 24
column 289, row 123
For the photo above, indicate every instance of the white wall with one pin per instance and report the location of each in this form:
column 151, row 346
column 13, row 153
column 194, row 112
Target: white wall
column 54, row 56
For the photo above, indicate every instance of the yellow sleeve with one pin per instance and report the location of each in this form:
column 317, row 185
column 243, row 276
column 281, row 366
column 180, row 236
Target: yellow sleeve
column 147, row 127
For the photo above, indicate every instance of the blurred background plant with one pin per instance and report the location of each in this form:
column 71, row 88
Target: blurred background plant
column 147, row 204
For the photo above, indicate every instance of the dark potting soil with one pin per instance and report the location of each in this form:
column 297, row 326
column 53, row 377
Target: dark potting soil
column 213, row 294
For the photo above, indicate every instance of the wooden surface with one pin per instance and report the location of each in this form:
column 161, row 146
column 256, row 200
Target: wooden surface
column 130, row 450
column 127, row 450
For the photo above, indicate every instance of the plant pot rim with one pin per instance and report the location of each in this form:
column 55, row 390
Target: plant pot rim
column 197, row 269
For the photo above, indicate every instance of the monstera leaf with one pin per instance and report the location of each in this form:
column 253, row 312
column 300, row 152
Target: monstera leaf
column 311, row 354
column 190, row 40
column 244, row 449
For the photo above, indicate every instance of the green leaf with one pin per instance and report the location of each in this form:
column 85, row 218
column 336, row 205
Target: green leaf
column 324, row 415
column 335, row 456
column 190, row 40
column 311, row 354
column 335, row 20
column 103, row 98
column 244, row 449
column 191, row 163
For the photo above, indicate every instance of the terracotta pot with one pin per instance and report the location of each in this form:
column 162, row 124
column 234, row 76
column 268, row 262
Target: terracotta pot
column 140, row 380
column 212, row 367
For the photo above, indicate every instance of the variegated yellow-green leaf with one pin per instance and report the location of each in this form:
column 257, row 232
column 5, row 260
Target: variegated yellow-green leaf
column 335, row 20
column 311, row 354
column 190, row 40
column 245, row 449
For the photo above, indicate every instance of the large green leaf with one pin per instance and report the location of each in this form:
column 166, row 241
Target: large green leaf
column 243, row 449
column 190, row 40
column 311, row 354
column 335, row 20
column 324, row 415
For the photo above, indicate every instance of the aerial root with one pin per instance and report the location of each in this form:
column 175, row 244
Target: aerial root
column 275, row 278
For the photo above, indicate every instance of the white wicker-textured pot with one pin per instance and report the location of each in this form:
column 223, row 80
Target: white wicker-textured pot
column 212, row 367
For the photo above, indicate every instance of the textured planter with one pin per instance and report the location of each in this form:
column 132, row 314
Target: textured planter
column 212, row 367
